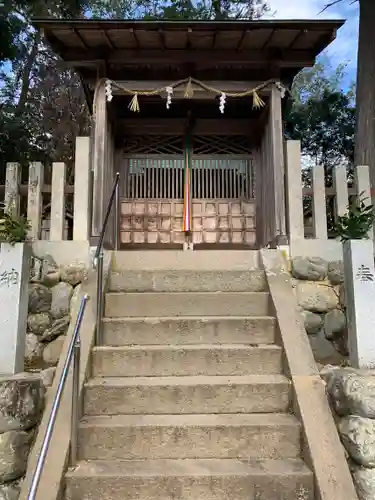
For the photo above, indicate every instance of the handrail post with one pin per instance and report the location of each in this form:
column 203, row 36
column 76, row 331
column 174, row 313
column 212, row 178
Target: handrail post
column 117, row 215
column 99, row 297
column 75, row 402
column 56, row 402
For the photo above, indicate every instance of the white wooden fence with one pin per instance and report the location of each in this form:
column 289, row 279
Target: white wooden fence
column 304, row 240
column 314, row 240
column 55, row 226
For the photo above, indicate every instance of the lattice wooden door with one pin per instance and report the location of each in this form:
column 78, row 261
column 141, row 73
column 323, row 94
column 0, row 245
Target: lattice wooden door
column 222, row 190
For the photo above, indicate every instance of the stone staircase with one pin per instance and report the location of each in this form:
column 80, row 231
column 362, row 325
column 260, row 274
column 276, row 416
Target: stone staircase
column 187, row 398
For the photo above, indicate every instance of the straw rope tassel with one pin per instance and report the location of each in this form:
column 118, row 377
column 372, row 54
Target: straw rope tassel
column 257, row 101
column 187, row 221
column 134, row 104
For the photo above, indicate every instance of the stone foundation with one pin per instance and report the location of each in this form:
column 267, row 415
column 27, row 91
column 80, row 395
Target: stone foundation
column 52, row 293
column 352, row 397
column 320, row 291
column 22, row 399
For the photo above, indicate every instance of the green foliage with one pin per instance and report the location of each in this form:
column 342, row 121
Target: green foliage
column 322, row 116
column 178, row 9
column 13, row 229
column 357, row 222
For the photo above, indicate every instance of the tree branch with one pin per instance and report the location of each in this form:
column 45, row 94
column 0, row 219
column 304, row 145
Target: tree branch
column 335, row 2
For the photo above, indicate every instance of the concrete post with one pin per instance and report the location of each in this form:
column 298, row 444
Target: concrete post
column 319, row 203
column 294, row 190
column 340, row 185
column 34, row 202
column 57, row 202
column 82, row 186
column 359, row 273
column 14, row 281
column 12, row 197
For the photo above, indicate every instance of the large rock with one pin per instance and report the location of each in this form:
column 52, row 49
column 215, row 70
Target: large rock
column 358, row 437
column 61, row 295
column 336, row 272
column 364, row 481
column 309, row 268
column 14, row 451
column 324, row 351
column 33, row 351
column 313, row 322
column 351, row 393
column 10, row 491
column 38, row 323
column 334, row 323
column 315, row 297
column 40, row 298
column 52, row 351
column 47, row 376
column 75, row 297
column 51, row 271
column 58, row 327
column 21, row 402
column 74, row 273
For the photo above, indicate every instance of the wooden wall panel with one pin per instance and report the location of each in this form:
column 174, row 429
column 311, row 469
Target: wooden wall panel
column 214, row 221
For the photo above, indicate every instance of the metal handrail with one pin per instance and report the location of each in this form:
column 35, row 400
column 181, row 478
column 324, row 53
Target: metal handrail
column 99, row 254
column 74, row 355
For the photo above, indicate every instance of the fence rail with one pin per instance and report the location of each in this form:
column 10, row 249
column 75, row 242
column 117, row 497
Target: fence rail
column 56, row 211
column 313, row 211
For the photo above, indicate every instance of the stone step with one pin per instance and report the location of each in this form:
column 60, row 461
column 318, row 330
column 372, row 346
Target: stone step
column 119, row 305
column 172, row 360
column 200, row 394
column 188, row 281
column 191, row 480
column 208, row 260
column 136, row 437
column 189, row 330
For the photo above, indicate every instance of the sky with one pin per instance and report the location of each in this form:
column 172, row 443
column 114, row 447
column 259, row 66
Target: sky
column 344, row 48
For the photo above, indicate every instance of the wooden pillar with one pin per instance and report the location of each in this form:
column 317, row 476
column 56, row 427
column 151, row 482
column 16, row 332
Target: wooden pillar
column 294, row 191
column 277, row 163
column 34, row 199
column 57, row 202
column 319, row 203
column 99, row 159
column 12, row 181
column 82, row 186
column 340, row 185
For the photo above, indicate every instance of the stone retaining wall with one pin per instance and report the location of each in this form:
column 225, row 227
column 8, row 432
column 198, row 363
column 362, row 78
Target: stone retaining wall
column 352, row 397
column 53, row 292
column 320, row 291
column 51, row 299
column 22, row 399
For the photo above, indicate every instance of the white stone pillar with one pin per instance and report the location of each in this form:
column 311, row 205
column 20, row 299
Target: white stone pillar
column 294, row 190
column 82, row 185
column 34, row 199
column 14, row 281
column 12, row 180
column 340, row 185
column 359, row 273
column 319, row 203
column 362, row 182
column 57, row 202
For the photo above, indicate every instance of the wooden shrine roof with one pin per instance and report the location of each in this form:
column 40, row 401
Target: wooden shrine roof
column 245, row 44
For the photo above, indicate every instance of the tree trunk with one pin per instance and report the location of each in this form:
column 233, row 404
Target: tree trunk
column 365, row 132
column 30, row 60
